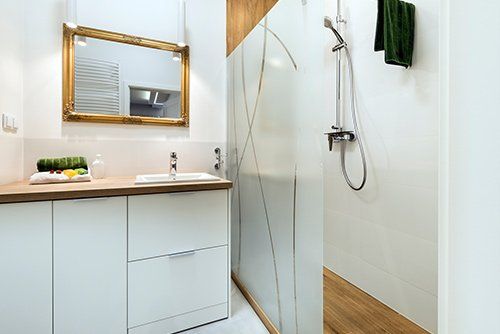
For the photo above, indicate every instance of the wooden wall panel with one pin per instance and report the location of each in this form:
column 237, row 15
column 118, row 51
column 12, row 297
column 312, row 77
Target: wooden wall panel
column 242, row 17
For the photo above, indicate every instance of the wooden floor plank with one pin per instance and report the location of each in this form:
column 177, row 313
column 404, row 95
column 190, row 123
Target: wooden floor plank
column 349, row 310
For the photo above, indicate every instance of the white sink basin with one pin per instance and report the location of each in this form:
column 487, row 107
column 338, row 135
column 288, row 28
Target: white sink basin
column 179, row 178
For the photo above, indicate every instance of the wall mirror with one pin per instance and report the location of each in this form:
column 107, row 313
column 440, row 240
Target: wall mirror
column 116, row 78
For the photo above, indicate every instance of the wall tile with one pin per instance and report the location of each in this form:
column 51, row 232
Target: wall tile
column 412, row 259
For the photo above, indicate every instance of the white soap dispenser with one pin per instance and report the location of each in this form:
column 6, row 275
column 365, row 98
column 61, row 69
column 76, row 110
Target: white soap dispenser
column 98, row 168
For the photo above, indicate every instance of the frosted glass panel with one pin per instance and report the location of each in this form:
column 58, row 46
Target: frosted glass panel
column 275, row 136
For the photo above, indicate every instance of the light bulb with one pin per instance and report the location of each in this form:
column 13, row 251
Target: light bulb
column 176, row 56
column 81, row 40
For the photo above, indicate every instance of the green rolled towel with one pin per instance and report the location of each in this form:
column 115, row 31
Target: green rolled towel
column 395, row 32
column 45, row 165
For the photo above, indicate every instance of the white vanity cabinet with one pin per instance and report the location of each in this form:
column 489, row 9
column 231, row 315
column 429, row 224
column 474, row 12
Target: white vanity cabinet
column 178, row 253
column 26, row 268
column 137, row 263
column 90, row 266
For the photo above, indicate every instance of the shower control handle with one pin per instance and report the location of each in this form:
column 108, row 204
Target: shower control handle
column 340, row 136
column 330, row 142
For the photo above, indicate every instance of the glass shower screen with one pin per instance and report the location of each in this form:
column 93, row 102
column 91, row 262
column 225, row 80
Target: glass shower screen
column 275, row 108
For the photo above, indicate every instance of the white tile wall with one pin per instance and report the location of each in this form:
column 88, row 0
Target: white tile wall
column 11, row 88
column 126, row 157
column 11, row 162
column 411, row 259
column 384, row 238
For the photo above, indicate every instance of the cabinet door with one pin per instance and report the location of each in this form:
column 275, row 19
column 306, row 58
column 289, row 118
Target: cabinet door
column 26, row 262
column 90, row 266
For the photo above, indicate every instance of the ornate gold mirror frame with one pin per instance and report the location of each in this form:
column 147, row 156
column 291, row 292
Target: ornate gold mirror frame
column 69, row 114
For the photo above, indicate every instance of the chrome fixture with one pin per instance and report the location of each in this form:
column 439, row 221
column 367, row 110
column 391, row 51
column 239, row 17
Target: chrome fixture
column 218, row 158
column 328, row 23
column 339, row 135
column 173, row 165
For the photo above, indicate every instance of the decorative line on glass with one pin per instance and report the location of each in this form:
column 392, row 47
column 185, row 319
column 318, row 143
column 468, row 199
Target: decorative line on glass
column 294, row 64
column 237, row 159
column 294, row 226
column 282, row 44
column 249, row 138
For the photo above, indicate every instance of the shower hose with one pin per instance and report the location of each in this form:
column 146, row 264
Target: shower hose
column 354, row 115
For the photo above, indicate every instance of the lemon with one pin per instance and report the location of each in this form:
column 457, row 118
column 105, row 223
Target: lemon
column 70, row 173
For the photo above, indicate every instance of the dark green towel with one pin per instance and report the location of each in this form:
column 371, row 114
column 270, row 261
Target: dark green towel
column 395, row 31
column 45, row 165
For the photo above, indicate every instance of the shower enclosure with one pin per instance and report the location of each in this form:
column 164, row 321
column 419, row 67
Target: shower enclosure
column 276, row 110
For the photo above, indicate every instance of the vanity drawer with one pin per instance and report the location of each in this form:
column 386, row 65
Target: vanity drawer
column 176, row 222
column 169, row 286
column 182, row 322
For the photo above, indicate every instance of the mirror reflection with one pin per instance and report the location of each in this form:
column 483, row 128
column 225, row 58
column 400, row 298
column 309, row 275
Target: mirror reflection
column 126, row 80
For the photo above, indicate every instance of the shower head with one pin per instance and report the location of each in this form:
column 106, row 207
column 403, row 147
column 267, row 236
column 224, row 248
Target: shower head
column 328, row 23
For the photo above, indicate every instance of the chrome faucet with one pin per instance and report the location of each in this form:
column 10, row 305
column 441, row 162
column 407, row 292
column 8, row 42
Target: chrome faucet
column 173, row 164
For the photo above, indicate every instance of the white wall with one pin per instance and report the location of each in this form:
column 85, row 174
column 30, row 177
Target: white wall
column 470, row 164
column 47, row 135
column 11, row 88
column 384, row 238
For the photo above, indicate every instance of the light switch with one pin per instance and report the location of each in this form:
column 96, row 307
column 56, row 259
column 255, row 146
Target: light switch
column 9, row 122
column 5, row 121
column 15, row 124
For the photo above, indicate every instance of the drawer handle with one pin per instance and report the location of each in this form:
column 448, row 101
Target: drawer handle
column 92, row 199
column 188, row 253
column 183, row 193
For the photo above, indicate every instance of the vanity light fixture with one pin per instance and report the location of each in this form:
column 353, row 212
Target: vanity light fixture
column 71, row 14
column 181, row 21
column 176, row 56
column 81, row 40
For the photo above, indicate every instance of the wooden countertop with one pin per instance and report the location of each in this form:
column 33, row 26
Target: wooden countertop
column 19, row 192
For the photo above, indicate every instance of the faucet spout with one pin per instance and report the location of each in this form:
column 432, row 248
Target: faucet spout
column 173, row 164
